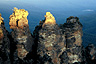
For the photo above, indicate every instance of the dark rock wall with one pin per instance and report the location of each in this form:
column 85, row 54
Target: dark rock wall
column 4, row 45
column 24, row 42
column 73, row 34
column 51, row 43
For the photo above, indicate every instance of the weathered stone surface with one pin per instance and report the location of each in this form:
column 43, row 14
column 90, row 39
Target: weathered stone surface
column 51, row 42
column 60, row 46
column 73, row 35
column 73, row 31
column 22, row 36
column 24, row 42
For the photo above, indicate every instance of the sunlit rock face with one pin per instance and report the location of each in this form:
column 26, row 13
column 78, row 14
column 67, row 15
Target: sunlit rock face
column 1, row 19
column 4, row 43
column 18, row 19
column 20, row 33
column 51, row 42
column 1, row 31
column 73, row 34
column 49, row 19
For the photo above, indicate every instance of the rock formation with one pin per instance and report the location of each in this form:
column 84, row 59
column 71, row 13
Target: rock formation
column 4, row 44
column 73, row 34
column 21, row 35
column 51, row 42
column 62, row 45
column 49, row 19
column 18, row 19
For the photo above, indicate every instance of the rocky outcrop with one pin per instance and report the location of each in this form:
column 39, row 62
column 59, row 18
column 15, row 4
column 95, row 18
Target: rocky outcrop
column 61, row 44
column 51, row 42
column 23, row 40
column 18, row 19
column 4, row 44
column 73, row 31
column 73, row 34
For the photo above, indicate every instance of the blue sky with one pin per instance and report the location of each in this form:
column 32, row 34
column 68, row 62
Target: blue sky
column 54, row 2
column 84, row 4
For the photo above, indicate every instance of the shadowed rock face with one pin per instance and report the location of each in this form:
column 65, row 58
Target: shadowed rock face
column 4, row 44
column 73, row 32
column 21, row 35
column 73, row 35
column 91, row 53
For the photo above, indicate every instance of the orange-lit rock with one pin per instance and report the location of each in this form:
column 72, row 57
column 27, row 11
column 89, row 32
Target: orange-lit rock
column 49, row 18
column 1, row 33
column 18, row 19
column 1, row 19
column 21, row 35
